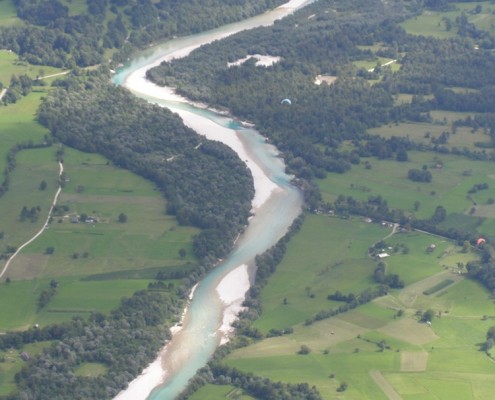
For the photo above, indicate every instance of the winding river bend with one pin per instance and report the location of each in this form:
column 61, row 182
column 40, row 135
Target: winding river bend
column 219, row 295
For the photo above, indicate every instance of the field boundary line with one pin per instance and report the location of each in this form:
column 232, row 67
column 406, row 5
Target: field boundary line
column 383, row 384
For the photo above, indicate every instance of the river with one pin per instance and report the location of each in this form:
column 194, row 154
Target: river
column 218, row 297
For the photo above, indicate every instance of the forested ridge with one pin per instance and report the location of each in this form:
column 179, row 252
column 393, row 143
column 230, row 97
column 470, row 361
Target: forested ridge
column 205, row 183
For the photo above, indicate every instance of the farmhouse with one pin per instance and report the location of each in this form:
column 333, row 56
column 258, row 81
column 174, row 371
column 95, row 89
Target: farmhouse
column 383, row 255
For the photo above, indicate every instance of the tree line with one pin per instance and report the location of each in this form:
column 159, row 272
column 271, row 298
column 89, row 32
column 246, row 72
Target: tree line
column 51, row 35
column 205, row 183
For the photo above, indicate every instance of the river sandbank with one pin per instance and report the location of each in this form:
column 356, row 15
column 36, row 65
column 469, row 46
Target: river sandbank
column 232, row 287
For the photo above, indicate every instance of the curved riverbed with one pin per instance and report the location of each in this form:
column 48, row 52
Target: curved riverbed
column 218, row 297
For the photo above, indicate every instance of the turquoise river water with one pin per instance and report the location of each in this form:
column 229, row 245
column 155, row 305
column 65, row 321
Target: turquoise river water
column 194, row 344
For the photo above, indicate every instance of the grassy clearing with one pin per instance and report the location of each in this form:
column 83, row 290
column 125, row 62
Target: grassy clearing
column 217, row 392
column 90, row 369
column 8, row 14
column 18, row 123
column 427, row 133
column 388, row 178
column 11, row 65
column 148, row 239
column 313, row 269
column 432, row 23
column 11, row 363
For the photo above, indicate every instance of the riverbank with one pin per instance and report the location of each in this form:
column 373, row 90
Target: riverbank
column 233, row 287
column 273, row 204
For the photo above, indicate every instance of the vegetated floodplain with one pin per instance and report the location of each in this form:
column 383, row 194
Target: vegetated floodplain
column 382, row 345
column 215, row 392
column 11, row 363
column 71, row 250
column 436, row 23
column 10, row 64
column 329, row 254
column 33, row 166
column 452, row 178
column 99, row 193
column 8, row 15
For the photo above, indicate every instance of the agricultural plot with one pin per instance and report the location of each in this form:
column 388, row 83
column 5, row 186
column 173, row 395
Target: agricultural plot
column 10, row 64
column 452, row 179
column 71, row 250
column 442, row 24
column 217, row 392
column 377, row 351
column 330, row 254
column 428, row 133
column 8, row 15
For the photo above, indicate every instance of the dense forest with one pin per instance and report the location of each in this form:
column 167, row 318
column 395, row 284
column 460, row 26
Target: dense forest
column 53, row 36
column 325, row 39
column 205, row 183
column 124, row 342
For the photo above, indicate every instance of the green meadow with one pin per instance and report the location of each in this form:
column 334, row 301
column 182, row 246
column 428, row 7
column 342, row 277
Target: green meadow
column 427, row 133
column 10, row 64
column 217, row 392
column 378, row 352
column 11, row 363
column 330, row 254
column 452, row 178
column 8, row 14
column 149, row 239
column 432, row 23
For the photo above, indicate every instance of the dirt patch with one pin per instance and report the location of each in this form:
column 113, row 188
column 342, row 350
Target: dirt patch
column 383, row 384
column 27, row 266
column 409, row 330
column 328, row 79
column 409, row 295
column 413, row 361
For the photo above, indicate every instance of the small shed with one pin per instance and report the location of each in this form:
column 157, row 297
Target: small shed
column 383, row 255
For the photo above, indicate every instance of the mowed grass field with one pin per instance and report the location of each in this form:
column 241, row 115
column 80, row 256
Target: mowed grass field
column 330, row 254
column 11, row 65
column 449, row 187
column 8, row 14
column 418, row 361
column 431, row 23
column 147, row 240
column 427, row 133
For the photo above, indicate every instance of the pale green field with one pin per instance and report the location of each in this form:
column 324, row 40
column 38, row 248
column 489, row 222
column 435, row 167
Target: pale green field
column 431, row 23
column 90, row 369
column 388, row 178
column 345, row 348
column 32, row 167
column 330, row 254
column 425, row 133
column 217, row 392
column 149, row 238
column 8, row 15
column 11, row 65
column 13, row 364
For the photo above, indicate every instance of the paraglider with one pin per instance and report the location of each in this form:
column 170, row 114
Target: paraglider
column 481, row 241
column 286, row 101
